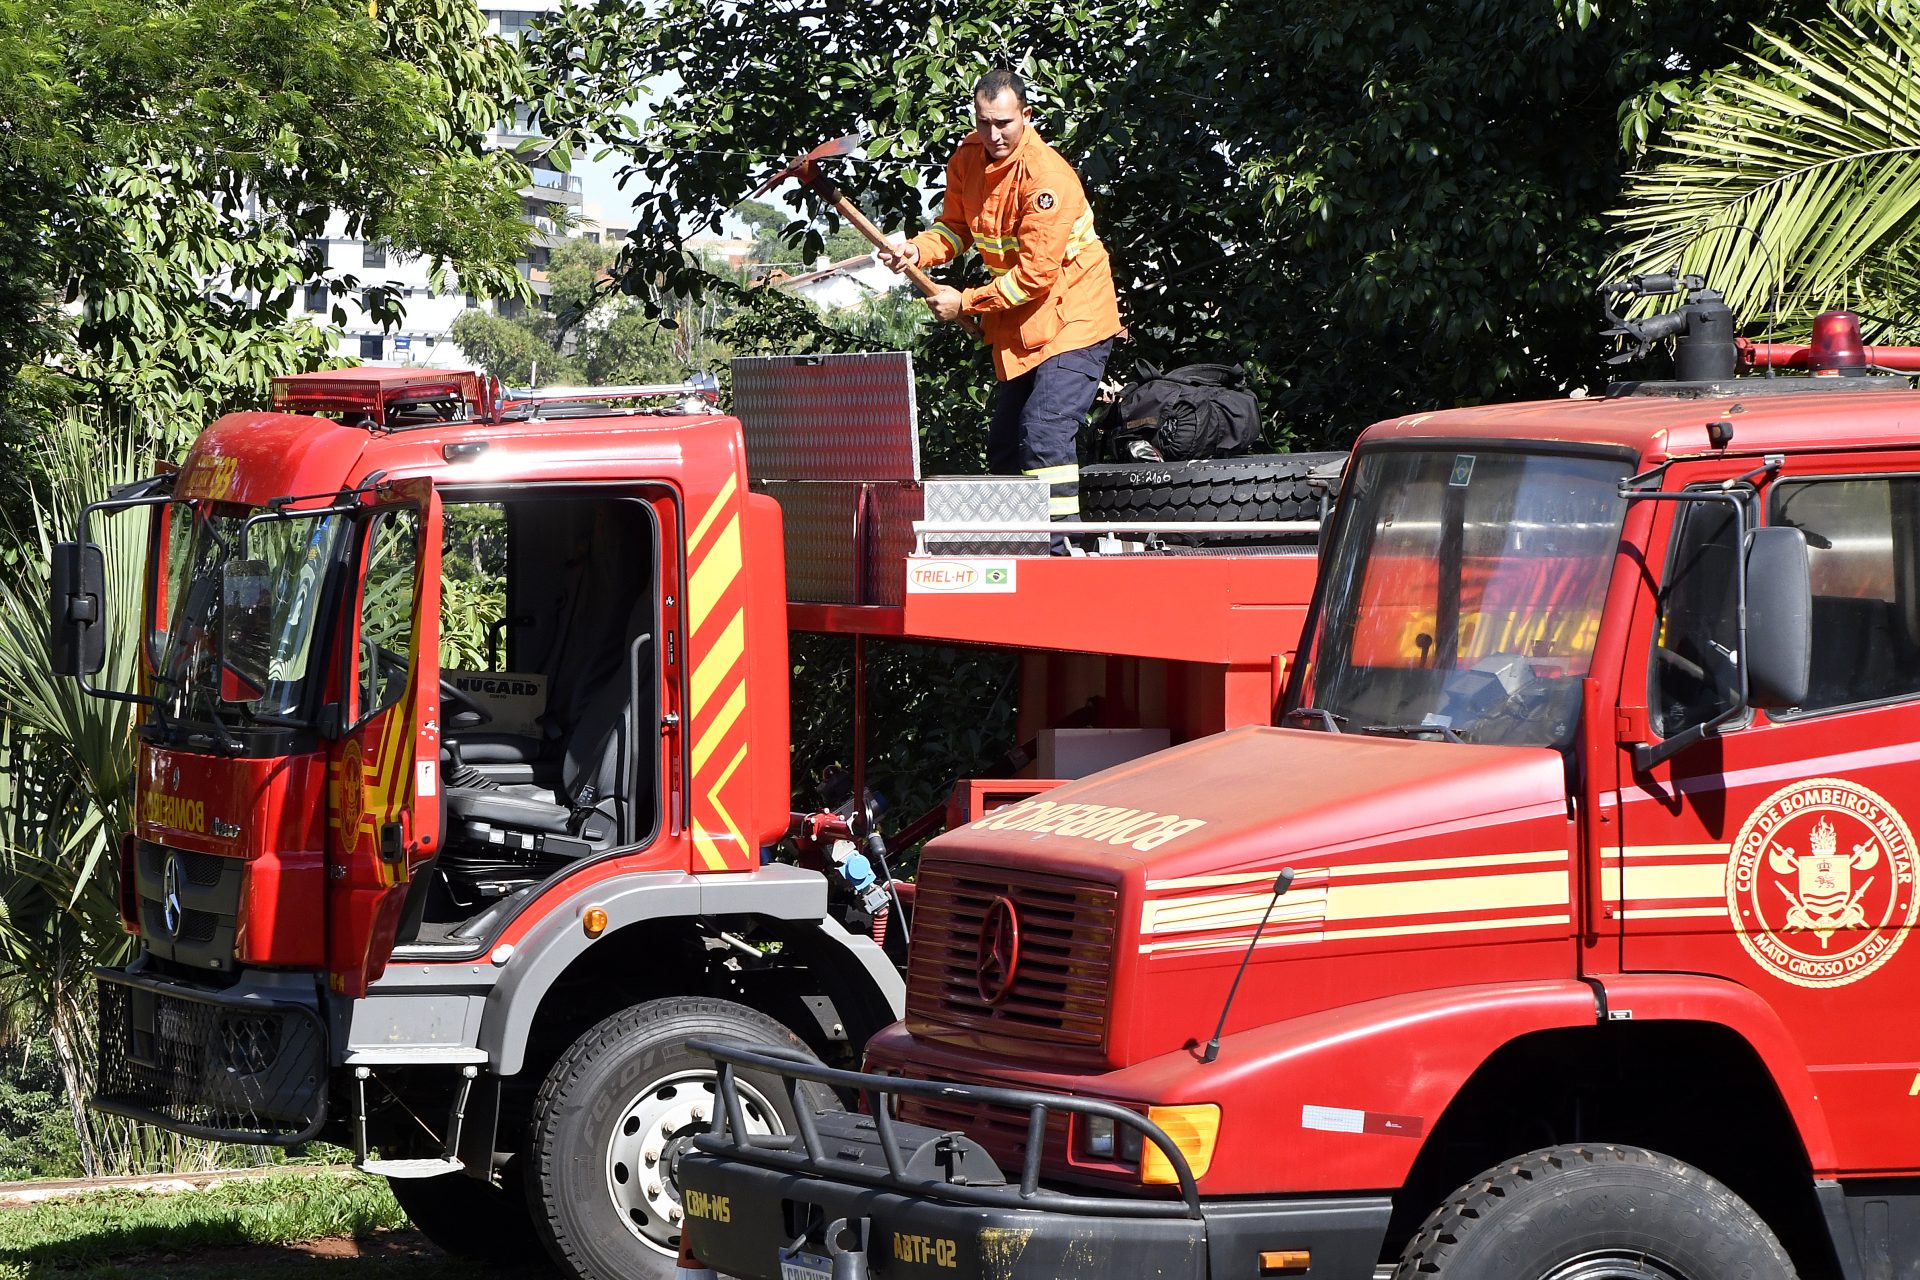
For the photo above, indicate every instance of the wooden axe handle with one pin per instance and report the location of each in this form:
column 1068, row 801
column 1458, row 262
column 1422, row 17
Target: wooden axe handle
column 921, row 280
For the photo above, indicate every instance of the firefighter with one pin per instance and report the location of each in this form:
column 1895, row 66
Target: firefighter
column 1049, row 311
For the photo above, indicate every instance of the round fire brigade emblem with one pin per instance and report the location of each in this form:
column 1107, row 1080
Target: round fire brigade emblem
column 1820, row 883
column 353, row 792
column 999, row 951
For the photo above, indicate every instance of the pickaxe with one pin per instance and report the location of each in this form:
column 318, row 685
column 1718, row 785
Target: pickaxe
column 807, row 171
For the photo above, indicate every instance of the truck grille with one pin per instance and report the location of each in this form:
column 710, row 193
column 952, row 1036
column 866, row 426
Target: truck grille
column 1001, row 1130
column 207, row 890
column 209, row 1064
column 1061, row 983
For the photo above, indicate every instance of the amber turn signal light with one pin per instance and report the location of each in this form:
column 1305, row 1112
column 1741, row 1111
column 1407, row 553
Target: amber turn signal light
column 594, row 921
column 1194, row 1129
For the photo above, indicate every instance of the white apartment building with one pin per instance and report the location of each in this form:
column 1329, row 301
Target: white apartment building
column 425, row 336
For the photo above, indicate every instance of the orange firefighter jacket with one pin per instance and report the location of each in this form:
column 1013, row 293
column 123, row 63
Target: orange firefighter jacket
column 1052, row 287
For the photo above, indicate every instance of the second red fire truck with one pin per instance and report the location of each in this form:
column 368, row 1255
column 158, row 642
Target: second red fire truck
column 1560, row 929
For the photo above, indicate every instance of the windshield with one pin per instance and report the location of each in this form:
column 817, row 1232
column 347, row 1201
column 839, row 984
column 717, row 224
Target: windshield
column 1463, row 594
column 289, row 558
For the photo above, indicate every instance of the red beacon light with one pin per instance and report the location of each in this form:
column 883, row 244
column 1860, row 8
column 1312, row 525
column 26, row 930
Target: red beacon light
column 1836, row 348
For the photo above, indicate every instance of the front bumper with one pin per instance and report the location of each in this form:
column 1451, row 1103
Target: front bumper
column 243, row 1064
column 852, row 1195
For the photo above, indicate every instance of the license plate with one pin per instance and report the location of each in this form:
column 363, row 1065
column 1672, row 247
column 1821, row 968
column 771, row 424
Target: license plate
column 798, row 1265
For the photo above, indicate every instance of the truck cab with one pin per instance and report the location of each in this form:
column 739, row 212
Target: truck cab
column 1557, row 927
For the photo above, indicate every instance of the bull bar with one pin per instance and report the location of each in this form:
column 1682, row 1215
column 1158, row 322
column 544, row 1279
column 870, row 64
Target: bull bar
column 805, row 1152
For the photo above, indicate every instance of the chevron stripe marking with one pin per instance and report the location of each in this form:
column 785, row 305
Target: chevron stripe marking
column 713, row 575
column 702, row 839
column 713, row 512
column 723, row 720
column 719, row 661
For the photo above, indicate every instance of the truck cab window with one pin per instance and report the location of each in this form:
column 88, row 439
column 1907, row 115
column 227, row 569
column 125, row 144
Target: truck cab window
column 1864, row 563
column 387, row 608
column 1694, row 645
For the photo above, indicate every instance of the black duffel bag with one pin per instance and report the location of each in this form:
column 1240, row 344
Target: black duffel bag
column 1195, row 411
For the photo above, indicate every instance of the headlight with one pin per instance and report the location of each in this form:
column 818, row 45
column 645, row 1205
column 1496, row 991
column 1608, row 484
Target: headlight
column 1104, row 1139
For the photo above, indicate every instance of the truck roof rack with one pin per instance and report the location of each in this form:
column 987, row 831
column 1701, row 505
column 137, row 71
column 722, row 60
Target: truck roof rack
column 702, row 391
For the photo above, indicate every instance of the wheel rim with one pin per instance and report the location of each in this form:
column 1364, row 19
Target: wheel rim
column 1615, row 1264
column 647, row 1139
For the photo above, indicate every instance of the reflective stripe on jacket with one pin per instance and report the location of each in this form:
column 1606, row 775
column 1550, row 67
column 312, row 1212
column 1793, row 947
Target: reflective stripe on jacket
column 1052, row 287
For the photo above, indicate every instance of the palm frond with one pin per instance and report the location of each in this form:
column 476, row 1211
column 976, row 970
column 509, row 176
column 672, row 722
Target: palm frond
column 1800, row 173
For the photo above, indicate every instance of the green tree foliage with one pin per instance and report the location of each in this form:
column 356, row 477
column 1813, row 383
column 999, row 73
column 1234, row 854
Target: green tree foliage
column 1796, row 171
column 68, row 784
column 512, row 349
column 576, row 272
column 167, row 161
column 1377, row 207
column 36, row 1136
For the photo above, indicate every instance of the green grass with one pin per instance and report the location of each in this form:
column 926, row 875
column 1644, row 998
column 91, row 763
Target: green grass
column 138, row 1233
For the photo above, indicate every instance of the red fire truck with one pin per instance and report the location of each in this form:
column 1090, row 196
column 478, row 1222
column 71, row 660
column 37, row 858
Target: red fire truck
column 460, row 903
column 1557, row 931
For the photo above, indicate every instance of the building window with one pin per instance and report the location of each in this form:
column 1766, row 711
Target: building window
column 515, row 23
column 473, row 303
column 317, row 300
column 317, row 256
column 373, row 346
column 373, row 254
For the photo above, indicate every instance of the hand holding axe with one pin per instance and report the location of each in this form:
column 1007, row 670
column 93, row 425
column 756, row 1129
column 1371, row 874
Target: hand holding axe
column 806, row 170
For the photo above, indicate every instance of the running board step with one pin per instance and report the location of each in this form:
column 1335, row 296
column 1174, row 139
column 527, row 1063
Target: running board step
column 431, row 1167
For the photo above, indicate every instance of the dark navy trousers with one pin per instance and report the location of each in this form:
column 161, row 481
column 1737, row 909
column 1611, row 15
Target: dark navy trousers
column 1037, row 419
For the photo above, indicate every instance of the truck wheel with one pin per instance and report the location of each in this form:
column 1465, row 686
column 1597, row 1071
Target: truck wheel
column 472, row 1220
column 612, row 1118
column 1280, row 486
column 1594, row 1213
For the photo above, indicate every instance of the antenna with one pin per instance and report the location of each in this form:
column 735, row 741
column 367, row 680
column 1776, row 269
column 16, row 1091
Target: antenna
column 1280, row 885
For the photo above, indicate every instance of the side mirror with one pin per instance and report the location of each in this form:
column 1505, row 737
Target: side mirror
column 1779, row 618
column 246, row 613
column 76, row 609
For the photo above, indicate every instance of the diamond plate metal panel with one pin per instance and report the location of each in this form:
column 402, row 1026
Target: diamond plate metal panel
column 819, row 520
column 891, row 509
column 986, row 500
column 830, row 417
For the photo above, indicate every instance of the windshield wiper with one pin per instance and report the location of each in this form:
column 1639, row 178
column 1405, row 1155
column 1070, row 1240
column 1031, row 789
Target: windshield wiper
column 1319, row 715
column 227, row 742
column 1412, row 730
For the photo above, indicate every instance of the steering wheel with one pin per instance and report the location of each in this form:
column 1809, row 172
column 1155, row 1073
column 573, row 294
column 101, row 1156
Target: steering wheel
column 463, row 705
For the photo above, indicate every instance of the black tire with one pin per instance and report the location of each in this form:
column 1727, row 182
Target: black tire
column 1279, row 486
column 613, row 1112
column 472, row 1220
column 1594, row 1213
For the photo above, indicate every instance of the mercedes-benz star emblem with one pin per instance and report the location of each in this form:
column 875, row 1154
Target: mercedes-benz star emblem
column 999, row 952
column 170, row 910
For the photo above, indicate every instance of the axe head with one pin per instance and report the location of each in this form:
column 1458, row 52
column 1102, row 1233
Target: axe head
column 807, row 167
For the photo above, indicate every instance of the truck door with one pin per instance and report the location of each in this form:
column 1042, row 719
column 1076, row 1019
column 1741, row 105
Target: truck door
column 383, row 782
column 1779, row 853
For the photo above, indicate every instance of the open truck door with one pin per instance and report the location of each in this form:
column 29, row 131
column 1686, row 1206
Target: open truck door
column 383, row 768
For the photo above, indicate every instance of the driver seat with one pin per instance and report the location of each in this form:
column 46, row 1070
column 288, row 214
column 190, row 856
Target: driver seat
column 582, row 814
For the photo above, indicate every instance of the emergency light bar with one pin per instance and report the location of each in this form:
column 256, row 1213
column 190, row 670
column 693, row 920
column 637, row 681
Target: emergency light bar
column 374, row 392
